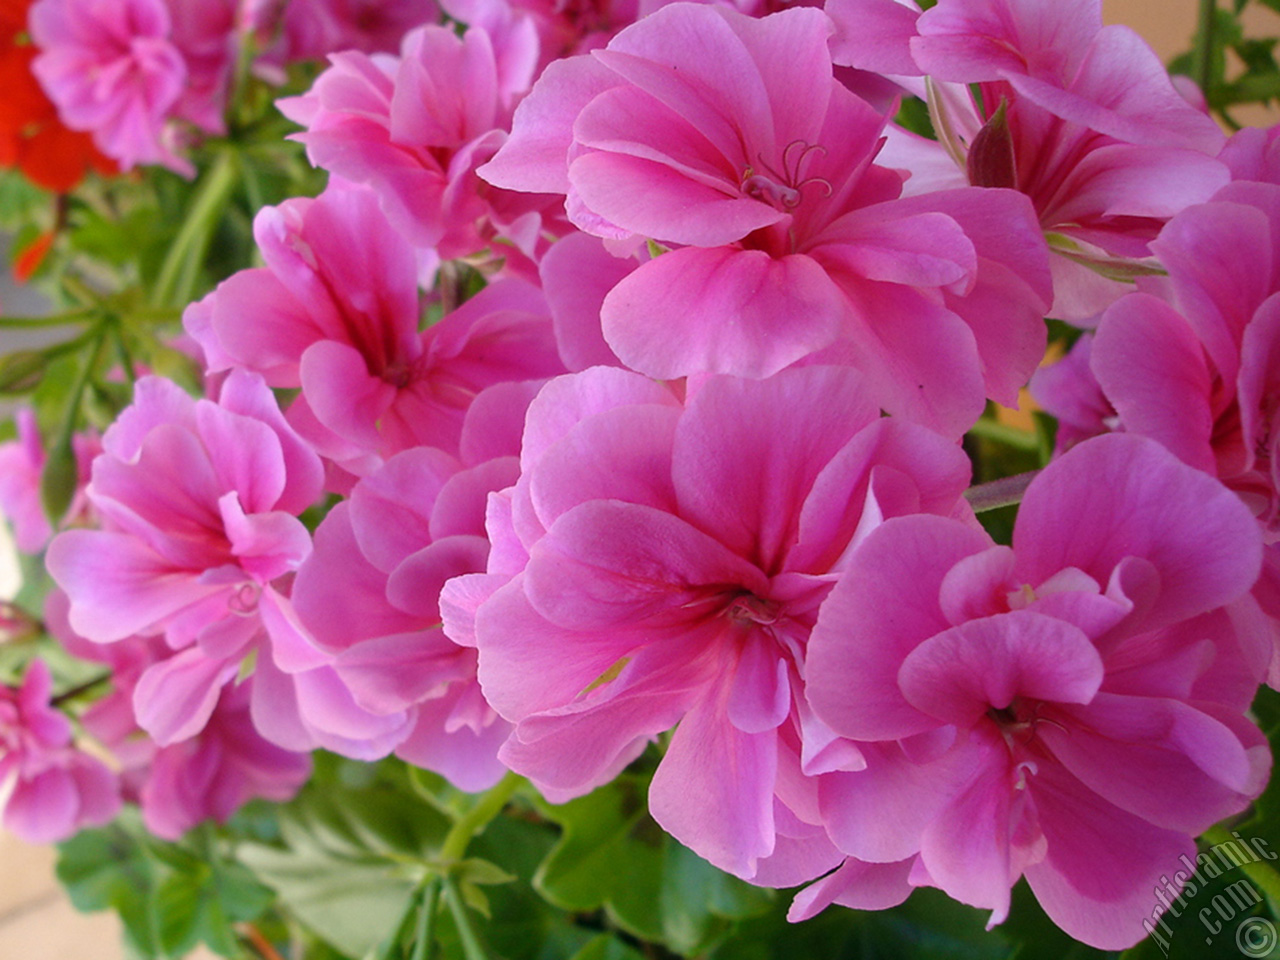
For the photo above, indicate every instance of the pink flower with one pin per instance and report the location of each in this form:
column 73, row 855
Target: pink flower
column 1091, row 127
column 1072, row 709
column 315, row 28
column 336, row 312
column 1195, row 364
column 56, row 789
column 212, row 775
column 198, row 501
column 21, row 465
column 113, row 69
column 1069, row 391
column 369, row 591
column 414, row 129
column 659, row 564
column 729, row 140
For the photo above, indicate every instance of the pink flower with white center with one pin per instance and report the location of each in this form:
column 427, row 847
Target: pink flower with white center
column 415, row 128
column 369, row 591
column 1081, row 118
column 1072, row 709
column 199, row 502
column 49, row 789
column 336, row 312
column 729, row 140
column 1195, row 363
column 660, row 564
column 112, row 69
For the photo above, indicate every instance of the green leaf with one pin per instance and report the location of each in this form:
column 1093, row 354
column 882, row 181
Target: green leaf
column 665, row 893
column 108, row 870
column 607, row 947
column 21, row 371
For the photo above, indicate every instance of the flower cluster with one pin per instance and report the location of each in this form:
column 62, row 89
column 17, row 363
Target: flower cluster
column 612, row 394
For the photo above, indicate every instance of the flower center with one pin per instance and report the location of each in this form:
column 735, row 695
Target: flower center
column 782, row 189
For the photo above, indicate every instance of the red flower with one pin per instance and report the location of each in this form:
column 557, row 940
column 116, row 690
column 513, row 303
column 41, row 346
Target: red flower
column 32, row 138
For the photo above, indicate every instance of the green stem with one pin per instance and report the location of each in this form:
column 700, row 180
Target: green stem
column 1259, row 872
column 472, row 949
column 424, row 935
column 176, row 283
column 57, row 320
column 999, row 493
column 477, row 818
column 76, row 691
column 1009, row 436
column 1202, row 54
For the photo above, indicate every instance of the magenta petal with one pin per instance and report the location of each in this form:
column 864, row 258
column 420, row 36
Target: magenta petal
column 748, row 452
column 1117, row 496
column 393, row 673
column 338, row 595
column 621, row 454
column 880, row 813
column 342, row 394
column 958, row 675
column 391, row 510
column 415, row 585
column 535, row 158
column 577, row 273
column 175, row 698
column 117, row 586
column 713, row 790
column 650, row 198
column 1140, row 752
column 884, row 607
column 1152, row 368
column 585, row 742
column 523, row 664
column 874, row 35
column 466, row 758
column 607, row 564
column 966, row 847
column 1260, row 377
column 728, row 304
column 43, row 809
column 760, row 691
column 1101, row 864
column 856, row 884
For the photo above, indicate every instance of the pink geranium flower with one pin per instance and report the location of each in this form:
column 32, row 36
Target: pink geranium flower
column 21, row 463
column 199, row 502
column 212, row 775
column 415, row 128
column 729, row 140
column 660, row 564
column 1195, row 363
column 1072, row 709
column 336, row 312
column 113, row 69
column 369, row 592
column 53, row 789
column 1081, row 118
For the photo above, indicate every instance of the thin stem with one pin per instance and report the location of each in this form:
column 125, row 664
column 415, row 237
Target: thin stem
column 472, row 949
column 57, row 320
column 1202, row 54
column 82, row 688
column 259, row 942
column 1002, row 433
column 424, row 935
column 474, row 820
column 999, row 493
column 178, row 274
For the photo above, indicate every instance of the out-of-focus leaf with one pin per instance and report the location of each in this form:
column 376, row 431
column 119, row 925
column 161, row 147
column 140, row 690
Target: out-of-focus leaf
column 20, row 371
